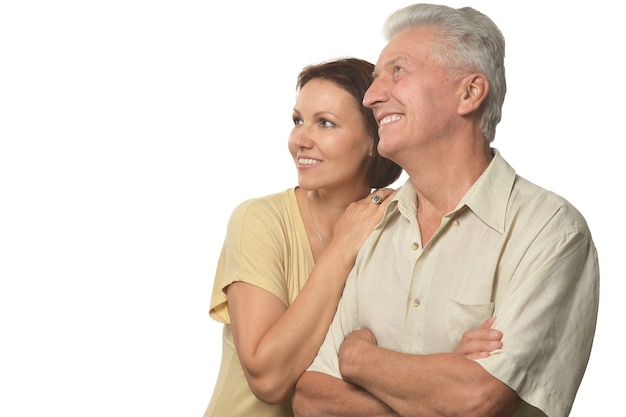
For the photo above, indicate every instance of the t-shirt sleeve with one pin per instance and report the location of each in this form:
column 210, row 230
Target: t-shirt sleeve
column 253, row 252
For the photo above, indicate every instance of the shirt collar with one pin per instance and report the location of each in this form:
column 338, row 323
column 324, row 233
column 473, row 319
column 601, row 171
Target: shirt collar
column 487, row 198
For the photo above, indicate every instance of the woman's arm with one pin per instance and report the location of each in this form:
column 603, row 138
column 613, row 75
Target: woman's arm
column 276, row 344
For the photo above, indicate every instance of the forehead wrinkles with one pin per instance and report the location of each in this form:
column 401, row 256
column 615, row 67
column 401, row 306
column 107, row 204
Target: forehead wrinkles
column 418, row 45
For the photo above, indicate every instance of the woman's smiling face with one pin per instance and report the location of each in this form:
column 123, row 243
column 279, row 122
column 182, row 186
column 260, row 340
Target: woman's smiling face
column 329, row 142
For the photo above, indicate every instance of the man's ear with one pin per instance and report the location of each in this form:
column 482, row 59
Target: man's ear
column 474, row 90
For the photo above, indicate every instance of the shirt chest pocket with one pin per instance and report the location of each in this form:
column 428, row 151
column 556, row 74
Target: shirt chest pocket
column 460, row 318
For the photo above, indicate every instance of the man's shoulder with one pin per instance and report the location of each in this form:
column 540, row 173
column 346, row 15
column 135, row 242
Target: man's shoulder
column 539, row 201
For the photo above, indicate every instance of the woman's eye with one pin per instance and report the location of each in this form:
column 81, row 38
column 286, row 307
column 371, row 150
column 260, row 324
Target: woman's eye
column 297, row 121
column 326, row 123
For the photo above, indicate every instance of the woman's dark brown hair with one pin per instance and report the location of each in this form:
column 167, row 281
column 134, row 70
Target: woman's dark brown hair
column 355, row 76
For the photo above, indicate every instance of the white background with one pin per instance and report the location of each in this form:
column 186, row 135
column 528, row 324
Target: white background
column 130, row 129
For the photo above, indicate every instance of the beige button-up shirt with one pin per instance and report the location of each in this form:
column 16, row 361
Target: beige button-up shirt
column 510, row 249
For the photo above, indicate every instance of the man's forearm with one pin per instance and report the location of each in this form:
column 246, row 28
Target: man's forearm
column 318, row 394
column 427, row 385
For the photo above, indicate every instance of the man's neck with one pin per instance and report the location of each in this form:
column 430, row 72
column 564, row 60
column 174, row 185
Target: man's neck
column 441, row 181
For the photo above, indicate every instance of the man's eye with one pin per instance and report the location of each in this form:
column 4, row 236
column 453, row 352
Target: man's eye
column 397, row 68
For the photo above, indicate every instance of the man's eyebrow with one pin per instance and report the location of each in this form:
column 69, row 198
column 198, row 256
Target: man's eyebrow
column 390, row 62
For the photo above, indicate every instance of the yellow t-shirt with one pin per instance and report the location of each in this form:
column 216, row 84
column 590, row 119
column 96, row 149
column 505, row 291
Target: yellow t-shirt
column 266, row 245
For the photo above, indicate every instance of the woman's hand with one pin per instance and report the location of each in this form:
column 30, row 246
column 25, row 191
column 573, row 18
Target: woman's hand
column 360, row 218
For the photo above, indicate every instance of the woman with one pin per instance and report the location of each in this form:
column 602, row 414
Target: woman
column 277, row 287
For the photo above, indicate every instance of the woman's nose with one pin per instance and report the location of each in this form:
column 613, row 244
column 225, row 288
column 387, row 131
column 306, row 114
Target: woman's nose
column 300, row 137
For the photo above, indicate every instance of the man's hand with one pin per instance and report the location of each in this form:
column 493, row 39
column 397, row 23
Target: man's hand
column 479, row 343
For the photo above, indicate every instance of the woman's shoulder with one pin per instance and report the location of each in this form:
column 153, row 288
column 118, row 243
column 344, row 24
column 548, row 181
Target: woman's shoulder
column 276, row 204
column 271, row 200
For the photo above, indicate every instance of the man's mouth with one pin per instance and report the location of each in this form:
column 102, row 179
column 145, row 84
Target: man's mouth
column 389, row 119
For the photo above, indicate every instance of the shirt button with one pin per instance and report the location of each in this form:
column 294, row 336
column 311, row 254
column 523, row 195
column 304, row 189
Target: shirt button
column 416, row 302
column 415, row 246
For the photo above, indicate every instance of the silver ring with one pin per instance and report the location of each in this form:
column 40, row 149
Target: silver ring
column 376, row 199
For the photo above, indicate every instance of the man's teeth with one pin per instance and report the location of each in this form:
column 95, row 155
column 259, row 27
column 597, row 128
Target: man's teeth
column 391, row 118
column 307, row 161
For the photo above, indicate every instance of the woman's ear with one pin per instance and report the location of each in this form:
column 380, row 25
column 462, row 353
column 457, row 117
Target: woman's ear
column 474, row 90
